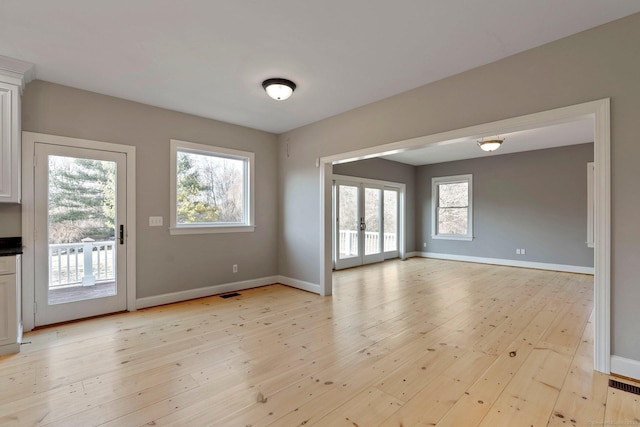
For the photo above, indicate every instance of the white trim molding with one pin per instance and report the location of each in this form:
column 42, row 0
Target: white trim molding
column 208, row 291
column 626, row 367
column 16, row 72
column 510, row 263
column 204, row 292
column 300, row 284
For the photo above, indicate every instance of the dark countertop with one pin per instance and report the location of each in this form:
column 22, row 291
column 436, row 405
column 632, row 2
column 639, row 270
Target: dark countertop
column 10, row 246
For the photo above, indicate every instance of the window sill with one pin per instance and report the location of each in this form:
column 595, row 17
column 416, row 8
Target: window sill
column 212, row 230
column 441, row 237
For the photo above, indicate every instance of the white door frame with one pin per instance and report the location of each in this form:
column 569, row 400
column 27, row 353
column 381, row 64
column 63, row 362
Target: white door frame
column 598, row 110
column 401, row 188
column 28, row 218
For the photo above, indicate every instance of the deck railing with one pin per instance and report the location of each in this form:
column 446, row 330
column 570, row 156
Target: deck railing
column 349, row 242
column 86, row 263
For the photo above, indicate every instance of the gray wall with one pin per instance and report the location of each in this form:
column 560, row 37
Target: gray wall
column 598, row 63
column 387, row 170
column 165, row 263
column 535, row 200
column 10, row 222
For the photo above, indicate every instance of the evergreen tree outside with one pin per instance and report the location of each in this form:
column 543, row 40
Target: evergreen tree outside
column 191, row 208
column 81, row 199
column 210, row 189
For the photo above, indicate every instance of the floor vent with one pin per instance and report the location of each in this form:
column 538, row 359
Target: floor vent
column 231, row 295
column 624, row 387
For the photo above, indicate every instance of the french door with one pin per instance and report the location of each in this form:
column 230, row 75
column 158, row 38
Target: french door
column 80, row 232
column 366, row 223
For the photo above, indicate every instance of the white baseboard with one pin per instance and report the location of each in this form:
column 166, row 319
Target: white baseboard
column 9, row 349
column 224, row 288
column 204, row 292
column 626, row 367
column 412, row 254
column 299, row 284
column 510, row 263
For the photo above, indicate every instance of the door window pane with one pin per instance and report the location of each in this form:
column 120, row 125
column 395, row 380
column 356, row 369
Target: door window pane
column 81, row 229
column 390, row 220
column 348, row 223
column 372, row 202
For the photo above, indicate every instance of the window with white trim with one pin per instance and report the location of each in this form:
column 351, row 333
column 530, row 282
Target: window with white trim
column 211, row 189
column 452, row 207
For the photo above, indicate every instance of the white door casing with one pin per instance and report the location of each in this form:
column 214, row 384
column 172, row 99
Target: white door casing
column 29, row 141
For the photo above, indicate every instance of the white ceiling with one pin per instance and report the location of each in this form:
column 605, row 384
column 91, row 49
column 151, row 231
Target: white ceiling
column 579, row 131
column 209, row 57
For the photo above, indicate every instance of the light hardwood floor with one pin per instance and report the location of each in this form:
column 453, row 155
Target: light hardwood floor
column 420, row 342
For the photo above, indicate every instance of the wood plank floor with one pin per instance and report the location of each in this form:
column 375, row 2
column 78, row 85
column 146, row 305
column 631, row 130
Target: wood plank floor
column 420, row 342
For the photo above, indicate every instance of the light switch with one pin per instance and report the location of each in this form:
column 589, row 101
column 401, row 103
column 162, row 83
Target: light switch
column 155, row 221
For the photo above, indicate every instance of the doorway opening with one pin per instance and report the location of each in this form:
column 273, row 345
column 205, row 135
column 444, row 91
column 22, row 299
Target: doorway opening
column 597, row 111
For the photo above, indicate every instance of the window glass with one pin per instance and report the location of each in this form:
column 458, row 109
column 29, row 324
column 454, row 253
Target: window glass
column 452, row 207
column 211, row 189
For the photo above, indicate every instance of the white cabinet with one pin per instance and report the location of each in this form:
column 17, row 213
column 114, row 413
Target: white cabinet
column 9, row 143
column 14, row 75
column 9, row 303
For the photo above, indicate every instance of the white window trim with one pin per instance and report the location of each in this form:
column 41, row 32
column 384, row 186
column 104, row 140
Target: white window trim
column 174, row 228
column 468, row 178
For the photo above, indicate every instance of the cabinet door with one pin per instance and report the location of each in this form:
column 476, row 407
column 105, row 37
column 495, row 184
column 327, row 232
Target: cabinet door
column 8, row 326
column 8, row 306
column 9, row 143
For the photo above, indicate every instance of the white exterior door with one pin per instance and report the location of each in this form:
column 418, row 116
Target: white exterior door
column 80, row 232
column 359, row 224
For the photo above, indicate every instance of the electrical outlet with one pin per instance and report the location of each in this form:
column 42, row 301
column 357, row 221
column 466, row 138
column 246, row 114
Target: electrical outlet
column 155, row 221
column 235, row 268
column 424, row 245
column 517, row 251
column 522, row 252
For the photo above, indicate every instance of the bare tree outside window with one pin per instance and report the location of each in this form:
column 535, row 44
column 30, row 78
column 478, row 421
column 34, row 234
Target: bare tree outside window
column 210, row 189
column 452, row 207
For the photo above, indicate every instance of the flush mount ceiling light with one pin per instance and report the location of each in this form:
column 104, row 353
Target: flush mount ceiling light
column 490, row 144
column 279, row 89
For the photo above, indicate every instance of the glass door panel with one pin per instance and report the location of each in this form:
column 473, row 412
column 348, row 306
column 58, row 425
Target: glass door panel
column 372, row 205
column 80, row 247
column 366, row 222
column 81, row 231
column 348, row 221
column 390, row 221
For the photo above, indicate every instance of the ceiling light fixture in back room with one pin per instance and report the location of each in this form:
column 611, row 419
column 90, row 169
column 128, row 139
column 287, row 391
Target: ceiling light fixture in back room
column 491, row 143
column 278, row 88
